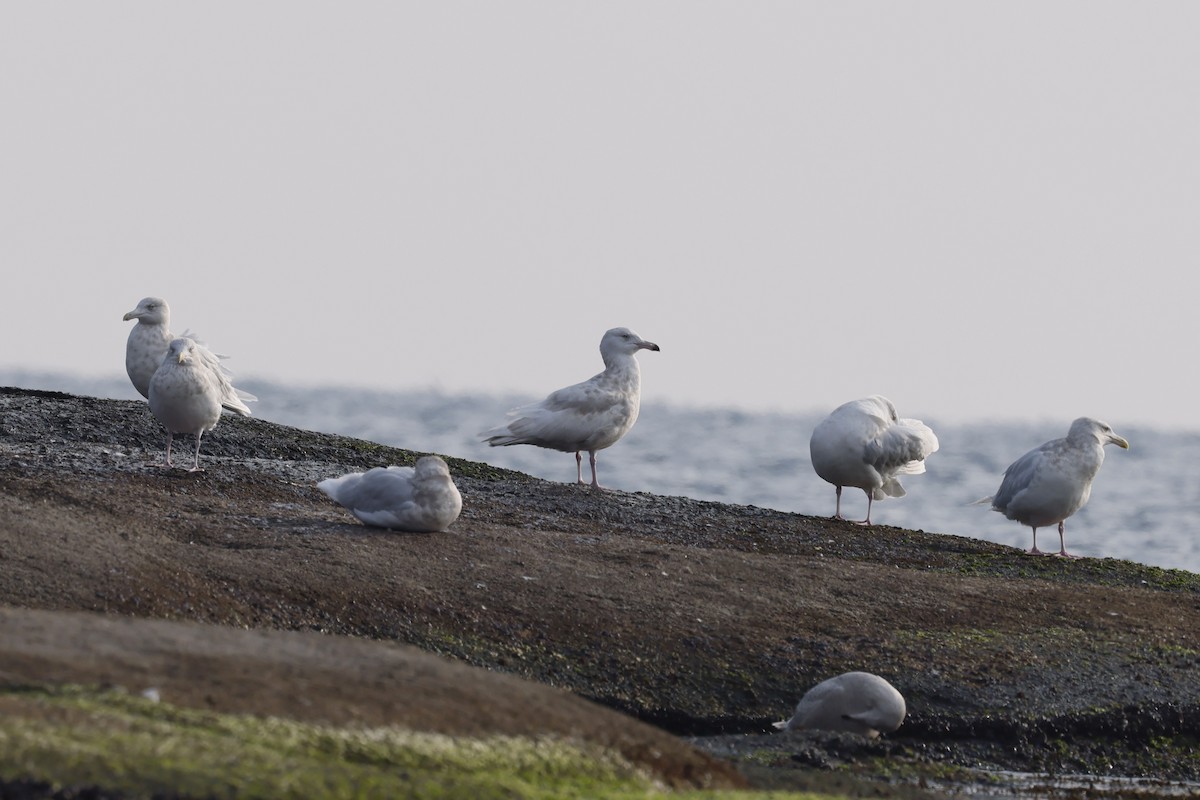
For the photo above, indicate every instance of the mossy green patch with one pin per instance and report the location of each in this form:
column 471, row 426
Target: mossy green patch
column 135, row 747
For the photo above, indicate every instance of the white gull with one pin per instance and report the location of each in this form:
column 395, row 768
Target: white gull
column 188, row 391
column 588, row 416
column 421, row 499
column 858, row 702
column 865, row 444
column 148, row 342
column 1052, row 482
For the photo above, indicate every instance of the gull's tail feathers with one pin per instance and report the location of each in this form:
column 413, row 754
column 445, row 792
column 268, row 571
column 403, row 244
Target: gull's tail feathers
column 501, row 437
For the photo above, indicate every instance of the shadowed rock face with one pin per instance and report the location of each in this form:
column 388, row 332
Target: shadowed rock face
column 701, row 618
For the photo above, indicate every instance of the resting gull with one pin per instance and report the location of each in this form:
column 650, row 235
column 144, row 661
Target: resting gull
column 188, row 391
column 858, row 702
column 864, row 444
column 147, row 345
column 1052, row 482
column 588, row 416
column 421, row 499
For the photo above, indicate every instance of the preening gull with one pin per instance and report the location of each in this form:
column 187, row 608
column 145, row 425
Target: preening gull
column 148, row 342
column 858, row 702
column 188, row 391
column 865, row 444
column 421, row 499
column 1052, row 482
column 588, row 416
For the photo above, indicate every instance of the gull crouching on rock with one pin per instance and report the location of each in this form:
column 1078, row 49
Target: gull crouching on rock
column 188, row 392
column 858, row 702
column 865, row 444
column 420, row 499
column 1053, row 481
column 148, row 342
column 588, row 416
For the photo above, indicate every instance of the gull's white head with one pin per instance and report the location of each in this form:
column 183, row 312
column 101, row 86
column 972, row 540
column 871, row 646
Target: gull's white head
column 150, row 311
column 622, row 341
column 887, row 407
column 432, row 466
column 1086, row 428
column 180, row 351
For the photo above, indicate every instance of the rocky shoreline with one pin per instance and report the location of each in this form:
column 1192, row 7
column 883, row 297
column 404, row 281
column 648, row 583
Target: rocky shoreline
column 706, row 621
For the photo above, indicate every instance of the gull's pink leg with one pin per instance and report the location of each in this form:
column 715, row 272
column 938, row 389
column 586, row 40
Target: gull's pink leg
column 1063, row 543
column 837, row 506
column 592, row 461
column 867, row 521
column 578, row 468
column 196, row 459
column 168, row 462
column 1033, row 551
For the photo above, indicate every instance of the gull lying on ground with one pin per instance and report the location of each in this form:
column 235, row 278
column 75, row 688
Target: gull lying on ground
column 421, row 499
column 148, row 342
column 188, row 391
column 1052, row 482
column 588, row 416
column 864, row 444
column 858, row 702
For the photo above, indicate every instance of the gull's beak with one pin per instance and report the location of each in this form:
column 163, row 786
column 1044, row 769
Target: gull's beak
column 648, row 346
column 130, row 315
column 1119, row 441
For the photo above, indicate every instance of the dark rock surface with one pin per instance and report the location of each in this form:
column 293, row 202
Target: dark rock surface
column 705, row 620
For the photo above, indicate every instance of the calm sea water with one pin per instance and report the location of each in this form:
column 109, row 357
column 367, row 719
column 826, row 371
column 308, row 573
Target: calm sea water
column 1145, row 503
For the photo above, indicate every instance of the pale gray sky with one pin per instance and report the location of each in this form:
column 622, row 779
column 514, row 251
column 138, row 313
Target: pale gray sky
column 977, row 209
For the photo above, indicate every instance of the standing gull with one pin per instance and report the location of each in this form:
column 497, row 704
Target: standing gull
column 858, row 702
column 864, row 444
column 188, row 391
column 1052, row 482
column 588, row 416
column 421, row 499
column 148, row 342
